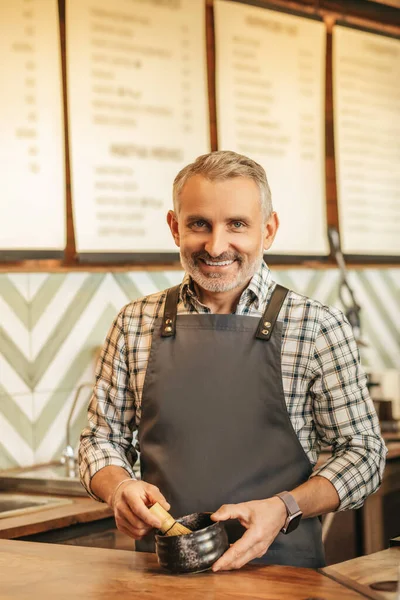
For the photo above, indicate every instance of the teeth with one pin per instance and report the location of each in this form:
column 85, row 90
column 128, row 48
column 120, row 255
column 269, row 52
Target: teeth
column 219, row 264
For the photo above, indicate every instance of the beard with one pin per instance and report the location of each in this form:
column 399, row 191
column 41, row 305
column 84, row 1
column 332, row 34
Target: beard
column 221, row 281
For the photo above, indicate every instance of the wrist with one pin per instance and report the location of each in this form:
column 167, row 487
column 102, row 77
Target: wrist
column 118, row 488
column 280, row 509
column 293, row 512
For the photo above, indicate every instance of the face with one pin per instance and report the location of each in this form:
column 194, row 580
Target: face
column 221, row 232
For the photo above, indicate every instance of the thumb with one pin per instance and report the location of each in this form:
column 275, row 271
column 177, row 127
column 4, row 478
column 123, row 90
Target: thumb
column 227, row 511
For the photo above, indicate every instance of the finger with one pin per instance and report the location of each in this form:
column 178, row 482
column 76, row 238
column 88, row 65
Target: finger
column 154, row 495
column 247, row 543
column 132, row 533
column 141, row 511
column 256, row 551
column 124, row 526
column 125, row 513
column 125, row 531
column 137, row 532
column 229, row 511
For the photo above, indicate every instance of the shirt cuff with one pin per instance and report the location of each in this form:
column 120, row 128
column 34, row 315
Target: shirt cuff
column 346, row 479
column 88, row 470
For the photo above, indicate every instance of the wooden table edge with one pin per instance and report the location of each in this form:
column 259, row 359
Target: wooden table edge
column 364, row 590
column 79, row 510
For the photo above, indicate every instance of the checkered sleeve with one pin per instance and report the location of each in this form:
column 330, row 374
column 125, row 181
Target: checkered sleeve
column 107, row 440
column 344, row 414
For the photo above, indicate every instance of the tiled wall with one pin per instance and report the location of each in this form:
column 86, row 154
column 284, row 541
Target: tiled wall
column 51, row 325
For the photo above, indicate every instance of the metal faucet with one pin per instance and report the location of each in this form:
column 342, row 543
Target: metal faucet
column 351, row 308
column 67, row 458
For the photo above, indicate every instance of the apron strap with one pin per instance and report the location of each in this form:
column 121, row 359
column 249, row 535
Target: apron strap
column 268, row 320
column 170, row 309
column 265, row 326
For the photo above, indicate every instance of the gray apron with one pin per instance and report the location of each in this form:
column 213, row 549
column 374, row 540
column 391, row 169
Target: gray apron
column 215, row 428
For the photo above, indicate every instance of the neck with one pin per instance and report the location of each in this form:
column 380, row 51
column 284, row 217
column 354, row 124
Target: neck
column 220, row 302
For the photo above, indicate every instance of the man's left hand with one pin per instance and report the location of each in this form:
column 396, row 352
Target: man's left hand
column 263, row 520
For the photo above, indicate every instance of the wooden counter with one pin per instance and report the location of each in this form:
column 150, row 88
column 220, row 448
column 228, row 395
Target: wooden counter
column 79, row 510
column 37, row 571
column 378, row 567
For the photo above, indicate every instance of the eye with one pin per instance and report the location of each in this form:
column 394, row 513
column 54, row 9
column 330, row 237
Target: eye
column 237, row 224
column 199, row 224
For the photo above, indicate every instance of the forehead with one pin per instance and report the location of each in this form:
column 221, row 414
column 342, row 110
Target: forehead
column 233, row 195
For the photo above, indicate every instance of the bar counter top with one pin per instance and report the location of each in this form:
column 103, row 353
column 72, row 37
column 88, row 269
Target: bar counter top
column 36, row 571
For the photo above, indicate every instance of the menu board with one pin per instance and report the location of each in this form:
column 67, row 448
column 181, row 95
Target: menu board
column 138, row 113
column 270, row 77
column 366, row 86
column 32, row 175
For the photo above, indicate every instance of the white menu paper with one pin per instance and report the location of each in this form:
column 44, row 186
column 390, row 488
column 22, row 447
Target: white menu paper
column 366, row 86
column 270, row 72
column 32, row 173
column 138, row 113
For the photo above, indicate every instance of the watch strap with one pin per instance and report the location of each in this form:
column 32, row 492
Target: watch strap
column 294, row 513
column 290, row 503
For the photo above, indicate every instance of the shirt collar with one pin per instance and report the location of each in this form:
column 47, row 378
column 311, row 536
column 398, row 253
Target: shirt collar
column 187, row 295
column 259, row 285
column 256, row 291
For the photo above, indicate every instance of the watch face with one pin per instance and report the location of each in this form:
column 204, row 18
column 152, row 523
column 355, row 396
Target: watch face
column 293, row 522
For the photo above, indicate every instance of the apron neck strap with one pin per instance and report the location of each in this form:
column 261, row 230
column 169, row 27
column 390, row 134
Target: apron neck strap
column 171, row 305
column 268, row 320
column 265, row 326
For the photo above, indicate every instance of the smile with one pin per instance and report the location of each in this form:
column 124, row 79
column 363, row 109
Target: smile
column 224, row 263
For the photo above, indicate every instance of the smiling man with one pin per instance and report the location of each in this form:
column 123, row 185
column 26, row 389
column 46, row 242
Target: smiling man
column 233, row 383
column 222, row 229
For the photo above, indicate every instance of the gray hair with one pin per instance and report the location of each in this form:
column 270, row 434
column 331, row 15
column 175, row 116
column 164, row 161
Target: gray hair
column 221, row 165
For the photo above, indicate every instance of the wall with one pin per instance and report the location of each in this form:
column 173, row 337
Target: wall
column 52, row 324
column 356, row 12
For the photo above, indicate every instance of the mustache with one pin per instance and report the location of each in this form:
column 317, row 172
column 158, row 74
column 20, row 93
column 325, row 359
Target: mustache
column 222, row 257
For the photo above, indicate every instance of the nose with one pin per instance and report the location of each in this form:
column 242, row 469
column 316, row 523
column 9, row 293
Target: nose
column 217, row 243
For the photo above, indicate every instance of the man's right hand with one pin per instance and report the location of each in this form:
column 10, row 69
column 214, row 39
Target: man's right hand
column 131, row 504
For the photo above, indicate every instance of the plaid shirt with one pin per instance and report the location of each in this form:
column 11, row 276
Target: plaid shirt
column 324, row 386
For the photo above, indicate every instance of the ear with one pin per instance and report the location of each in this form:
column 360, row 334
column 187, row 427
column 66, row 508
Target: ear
column 172, row 221
column 271, row 227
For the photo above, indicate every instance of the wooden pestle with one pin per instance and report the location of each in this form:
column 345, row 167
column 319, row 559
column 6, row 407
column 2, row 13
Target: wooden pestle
column 168, row 526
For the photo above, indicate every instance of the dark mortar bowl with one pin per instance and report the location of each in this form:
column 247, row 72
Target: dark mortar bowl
column 193, row 552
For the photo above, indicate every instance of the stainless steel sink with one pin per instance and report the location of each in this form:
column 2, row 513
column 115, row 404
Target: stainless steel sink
column 17, row 504
column 49, row 478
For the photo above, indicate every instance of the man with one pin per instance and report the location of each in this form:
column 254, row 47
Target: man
column 233, row 384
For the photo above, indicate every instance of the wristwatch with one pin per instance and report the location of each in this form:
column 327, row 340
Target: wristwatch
column 294, row 513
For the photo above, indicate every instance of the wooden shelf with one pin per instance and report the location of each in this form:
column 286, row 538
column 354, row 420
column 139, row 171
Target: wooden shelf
column 54, row 266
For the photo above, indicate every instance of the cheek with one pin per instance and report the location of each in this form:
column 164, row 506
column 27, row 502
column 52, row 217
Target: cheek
column 191, row 240
column 249, row 245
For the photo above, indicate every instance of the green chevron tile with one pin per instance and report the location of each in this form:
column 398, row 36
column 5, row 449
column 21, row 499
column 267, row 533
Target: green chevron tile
column 392, row 327
column 71, row 378
column 7, row 461
column 283, row 277
column 377, row 333
column 79, row 423
column 394, row 290
column 45, row 295
column 16, row 358
column 375, row 338
column 15, row 416
column 160, row 280
column 332, row 297
column 313, row 283
column 128, row 286
column 60, row 332
column 14, row 299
